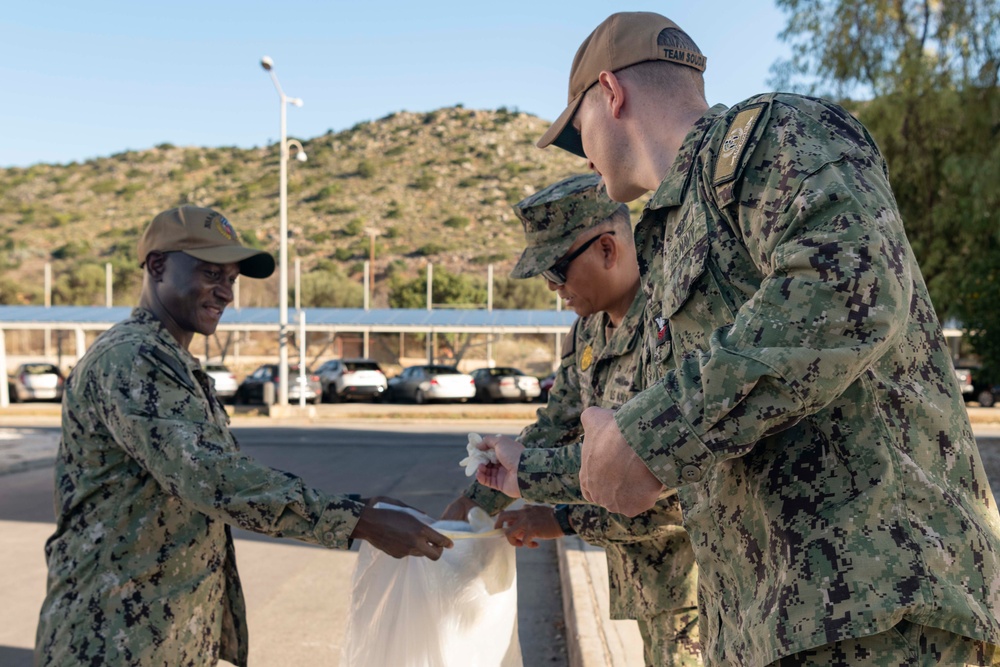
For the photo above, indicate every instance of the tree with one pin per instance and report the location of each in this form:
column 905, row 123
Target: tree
column 930, row 69
column 326, row 286
column 449, row 289
column 82, row 286
column 882, row 47
column 531, row 294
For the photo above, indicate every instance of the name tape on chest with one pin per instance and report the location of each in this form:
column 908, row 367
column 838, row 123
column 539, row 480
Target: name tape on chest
column 736, row 142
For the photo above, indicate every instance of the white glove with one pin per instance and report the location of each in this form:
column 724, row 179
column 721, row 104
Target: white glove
column 476, row 457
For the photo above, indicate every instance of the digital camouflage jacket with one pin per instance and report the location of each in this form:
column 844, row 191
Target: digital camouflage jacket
column 142, row 569
column 650, row 563
column 808, row 410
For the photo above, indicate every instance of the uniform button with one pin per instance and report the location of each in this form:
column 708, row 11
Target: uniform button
column 691, row 473
column 328, row 536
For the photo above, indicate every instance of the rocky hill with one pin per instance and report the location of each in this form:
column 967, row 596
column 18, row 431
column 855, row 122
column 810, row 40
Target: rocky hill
column 429, row 187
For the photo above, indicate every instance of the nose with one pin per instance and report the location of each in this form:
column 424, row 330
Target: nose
column 224, row 291
column 590, row 165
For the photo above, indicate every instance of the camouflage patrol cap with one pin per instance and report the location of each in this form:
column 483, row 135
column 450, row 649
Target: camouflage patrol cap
column 622, row 40
column 206, row 235
column 554, row 217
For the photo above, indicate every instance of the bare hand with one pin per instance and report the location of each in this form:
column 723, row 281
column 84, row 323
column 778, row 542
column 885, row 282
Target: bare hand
column 459, row 509
column 397, row 533
column 525, row 526
column 501, row 475
column 611, row 474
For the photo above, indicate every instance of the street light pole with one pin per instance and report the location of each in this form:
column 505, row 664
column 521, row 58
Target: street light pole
column 268, row 66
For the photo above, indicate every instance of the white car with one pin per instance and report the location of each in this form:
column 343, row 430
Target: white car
column 225, row 382
column 432, row 383
column 351, row 378
column 36, row 381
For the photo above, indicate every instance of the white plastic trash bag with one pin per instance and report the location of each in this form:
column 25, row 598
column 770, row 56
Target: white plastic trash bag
column 458, row 611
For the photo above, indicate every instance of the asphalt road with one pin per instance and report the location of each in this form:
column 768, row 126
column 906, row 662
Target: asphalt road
column 415, row 463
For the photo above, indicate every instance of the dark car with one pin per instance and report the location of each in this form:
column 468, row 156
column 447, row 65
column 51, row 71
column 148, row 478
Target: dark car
column 504, row 383
column 251, row 390
column 36, row 381
column 977, row 386
column 421, row 384
column 985, row 389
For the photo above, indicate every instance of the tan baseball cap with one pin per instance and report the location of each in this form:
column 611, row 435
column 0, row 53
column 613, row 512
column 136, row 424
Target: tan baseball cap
column 553, row 219
column 622, row 40
column 203, row 234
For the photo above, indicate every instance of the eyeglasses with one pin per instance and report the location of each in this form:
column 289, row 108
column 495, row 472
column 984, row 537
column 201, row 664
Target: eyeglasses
column 556, row 274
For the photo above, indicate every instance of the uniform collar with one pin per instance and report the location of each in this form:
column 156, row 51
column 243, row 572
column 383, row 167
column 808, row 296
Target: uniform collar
column 673, row 184
column 624, row 338
column 147, row 320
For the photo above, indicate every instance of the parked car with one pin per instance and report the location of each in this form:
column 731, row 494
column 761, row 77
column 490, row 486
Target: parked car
column 251, row 390
column 225, row 382
column 545, row 384
column 36, row 381
column 431, row 383
column 504, row 383
column 976, row 386
column 964, row 376
column 351, row 378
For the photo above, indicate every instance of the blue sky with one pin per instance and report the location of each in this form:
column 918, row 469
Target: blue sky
column 85, row 80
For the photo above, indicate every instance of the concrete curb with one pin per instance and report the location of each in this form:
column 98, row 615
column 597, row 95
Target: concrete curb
column 592, row 638
column 25, row 448
column 9, row 468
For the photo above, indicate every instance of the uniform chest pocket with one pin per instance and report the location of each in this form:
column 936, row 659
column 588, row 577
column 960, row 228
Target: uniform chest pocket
column 693, row 301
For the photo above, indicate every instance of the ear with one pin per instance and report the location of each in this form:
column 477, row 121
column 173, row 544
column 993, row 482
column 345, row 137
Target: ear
column 156, row 265
column 609, row 250
column 613, row 91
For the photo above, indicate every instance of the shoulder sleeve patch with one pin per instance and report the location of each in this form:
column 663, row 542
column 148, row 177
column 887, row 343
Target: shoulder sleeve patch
column 736, row 142
column 569, row 342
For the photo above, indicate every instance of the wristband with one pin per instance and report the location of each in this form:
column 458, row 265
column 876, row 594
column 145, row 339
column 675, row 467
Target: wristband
column 562, row 518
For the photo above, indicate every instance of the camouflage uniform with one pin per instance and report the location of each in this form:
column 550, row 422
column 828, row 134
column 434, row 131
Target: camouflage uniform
column 810, row 415
column 142, row 569
column 650, row 561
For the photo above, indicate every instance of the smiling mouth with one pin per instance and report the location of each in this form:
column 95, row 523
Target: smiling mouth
column 215, row 310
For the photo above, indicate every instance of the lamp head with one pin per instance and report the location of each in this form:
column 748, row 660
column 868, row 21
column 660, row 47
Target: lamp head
column 266, row 63
column 301, row 156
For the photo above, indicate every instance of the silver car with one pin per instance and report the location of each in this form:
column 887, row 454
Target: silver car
column 36, row 381
column 421, row 384
column 251, row 390
column 504, row 383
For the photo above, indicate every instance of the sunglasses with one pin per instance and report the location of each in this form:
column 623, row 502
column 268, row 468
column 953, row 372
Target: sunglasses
column 556, row 274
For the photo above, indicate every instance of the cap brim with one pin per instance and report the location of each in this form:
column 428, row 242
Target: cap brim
column 536, row 259
column 562, row 133
column 253, row 263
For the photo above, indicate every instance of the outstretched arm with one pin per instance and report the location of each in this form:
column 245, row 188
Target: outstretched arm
column 397, row 533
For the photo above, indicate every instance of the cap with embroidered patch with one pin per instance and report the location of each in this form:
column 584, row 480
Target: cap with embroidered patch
column 622, row 40
column 554, row 217
column 206, row 235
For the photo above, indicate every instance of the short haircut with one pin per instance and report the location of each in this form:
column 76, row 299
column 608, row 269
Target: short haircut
column 620, row 221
